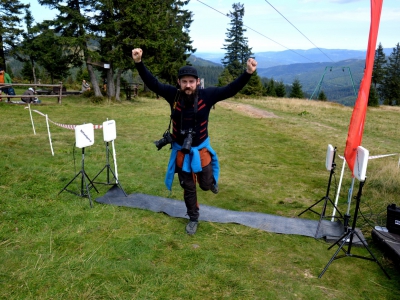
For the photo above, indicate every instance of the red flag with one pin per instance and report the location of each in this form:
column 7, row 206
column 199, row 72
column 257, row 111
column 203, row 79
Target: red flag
column 356, row 127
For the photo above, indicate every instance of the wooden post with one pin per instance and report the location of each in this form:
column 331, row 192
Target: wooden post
column 60, row 93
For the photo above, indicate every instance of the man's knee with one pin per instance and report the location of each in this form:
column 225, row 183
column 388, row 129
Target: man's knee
column 187, row 183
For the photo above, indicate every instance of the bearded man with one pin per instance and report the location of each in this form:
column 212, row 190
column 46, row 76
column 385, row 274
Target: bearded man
column 192, row 156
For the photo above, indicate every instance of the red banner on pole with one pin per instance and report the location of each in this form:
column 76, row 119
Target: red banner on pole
column 356, row 127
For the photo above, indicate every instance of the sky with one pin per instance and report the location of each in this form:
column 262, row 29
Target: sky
column 278, row 25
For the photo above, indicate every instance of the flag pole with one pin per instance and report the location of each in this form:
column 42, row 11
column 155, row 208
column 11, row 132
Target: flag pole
column 338, row 190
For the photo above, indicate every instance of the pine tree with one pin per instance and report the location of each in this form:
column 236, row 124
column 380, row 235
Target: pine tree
column 73, row 26
column 270, row 88
column 10, row 18
column 322, row 96
column 378, row 72
column 159, row 27
column 237, row 53
column 26, row 71
column 379, row 69
column 296, row 91
column 280, row 89
column 54, row 58
column 373, row 99
column 254, row 87
column 391, row 80
column 237, row 49
column 225, row 78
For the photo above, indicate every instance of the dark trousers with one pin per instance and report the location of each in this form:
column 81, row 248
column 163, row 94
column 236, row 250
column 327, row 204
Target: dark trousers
column 187, row 181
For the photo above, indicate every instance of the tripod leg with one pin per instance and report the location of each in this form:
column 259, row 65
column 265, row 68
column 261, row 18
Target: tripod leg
column 370, row 252
column 90, row 181
column 99, row 173
column 84, row 176
column 322, row 216
column 311, row 207
column 65, row 188
column 333, row 257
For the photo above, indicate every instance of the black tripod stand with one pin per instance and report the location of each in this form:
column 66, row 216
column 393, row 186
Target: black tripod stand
column 347, row 237
column 85, row 187
column 325, row 199
column 108, row 168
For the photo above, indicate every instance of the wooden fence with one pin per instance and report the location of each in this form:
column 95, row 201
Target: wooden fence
column 57, row 90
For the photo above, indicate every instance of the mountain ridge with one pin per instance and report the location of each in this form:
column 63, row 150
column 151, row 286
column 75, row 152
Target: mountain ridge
column 339, row 77
column 275, row 58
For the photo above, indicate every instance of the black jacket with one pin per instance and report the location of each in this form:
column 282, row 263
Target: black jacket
column 184, row 118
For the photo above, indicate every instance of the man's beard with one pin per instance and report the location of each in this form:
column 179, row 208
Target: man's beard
column 188, row 100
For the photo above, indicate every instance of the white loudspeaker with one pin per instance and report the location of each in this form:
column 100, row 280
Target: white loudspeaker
column 360, row 165
column 84, row 135
column 330, row 152
column 109, row 131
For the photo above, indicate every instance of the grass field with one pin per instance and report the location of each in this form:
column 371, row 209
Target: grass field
column 55, row 246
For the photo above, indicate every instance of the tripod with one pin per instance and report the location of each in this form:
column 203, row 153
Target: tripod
column 85, row 187
column 325, row 199
column 108, row 168
column 348, row 237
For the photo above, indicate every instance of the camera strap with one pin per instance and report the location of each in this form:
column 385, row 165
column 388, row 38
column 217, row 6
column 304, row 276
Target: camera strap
column 173, row 109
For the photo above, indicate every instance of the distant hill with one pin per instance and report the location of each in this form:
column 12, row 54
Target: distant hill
column 339, row 79
column 287, row 57
column 197, row 61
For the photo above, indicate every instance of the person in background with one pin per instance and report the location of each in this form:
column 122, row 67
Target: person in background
column 105, row 84
column 29, row 92
column 4, row 78
column 192, row 156
column 85, row 86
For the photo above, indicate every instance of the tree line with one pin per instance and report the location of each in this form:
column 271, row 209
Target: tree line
column 99, row 35
column 385, row 87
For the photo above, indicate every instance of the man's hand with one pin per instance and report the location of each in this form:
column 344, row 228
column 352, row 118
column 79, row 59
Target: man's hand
column 137, row 55
column 251, row 65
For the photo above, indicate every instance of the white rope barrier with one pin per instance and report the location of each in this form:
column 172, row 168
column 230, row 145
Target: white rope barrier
column 66, row 126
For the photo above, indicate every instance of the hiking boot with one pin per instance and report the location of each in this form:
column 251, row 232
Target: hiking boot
column 191, row 227
column 214, row 188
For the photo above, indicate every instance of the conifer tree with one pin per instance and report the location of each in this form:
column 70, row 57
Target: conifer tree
column 373, row 99
column 106, row 31
column 322, row 96
column 391, row 80
column 270, row 88
column 237, row 49
column 254, row 87
column 378, row 72
column 11, row 13
column 237, row 53
column 280, row 89
column 296, row 91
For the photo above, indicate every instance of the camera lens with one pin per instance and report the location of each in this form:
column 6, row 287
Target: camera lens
column 187, row 144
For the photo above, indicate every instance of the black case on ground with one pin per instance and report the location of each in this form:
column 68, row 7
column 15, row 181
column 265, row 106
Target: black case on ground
column 393, row 219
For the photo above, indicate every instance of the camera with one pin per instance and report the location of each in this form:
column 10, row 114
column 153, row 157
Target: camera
column 166, row 139
column 187, row 142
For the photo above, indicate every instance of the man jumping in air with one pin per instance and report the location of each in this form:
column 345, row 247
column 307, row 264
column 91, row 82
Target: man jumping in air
column 192, row 156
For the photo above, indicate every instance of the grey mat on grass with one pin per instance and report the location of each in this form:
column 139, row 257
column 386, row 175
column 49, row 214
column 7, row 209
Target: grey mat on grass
column 266, row 222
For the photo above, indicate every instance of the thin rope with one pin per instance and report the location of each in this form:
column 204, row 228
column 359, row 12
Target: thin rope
column 299, row 31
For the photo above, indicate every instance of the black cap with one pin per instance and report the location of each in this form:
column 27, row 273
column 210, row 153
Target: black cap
column 187, row 71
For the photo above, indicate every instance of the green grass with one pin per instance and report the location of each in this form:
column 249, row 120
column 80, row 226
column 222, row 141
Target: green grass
column 54, row 246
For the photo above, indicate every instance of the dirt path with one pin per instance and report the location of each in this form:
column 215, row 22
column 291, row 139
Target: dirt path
column 248, row 110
